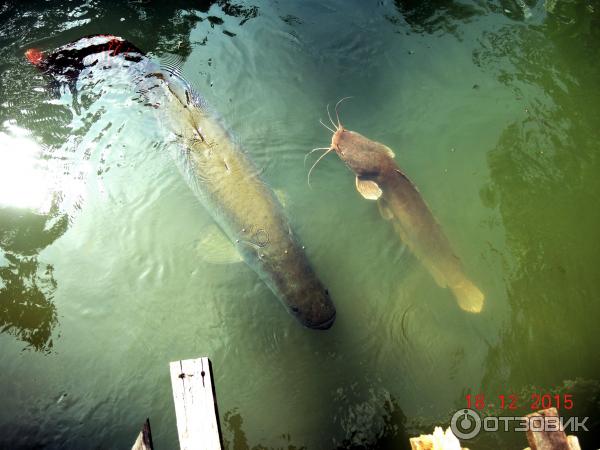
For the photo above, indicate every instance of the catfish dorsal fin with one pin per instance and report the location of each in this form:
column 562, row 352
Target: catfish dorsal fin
column 368, row 189
column 403, row 175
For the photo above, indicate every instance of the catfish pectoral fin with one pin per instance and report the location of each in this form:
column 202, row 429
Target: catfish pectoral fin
column 215, row 248
column 469, row 297
column 281, row 196
column 389, row 151
column 368, row 189
column 384, row 210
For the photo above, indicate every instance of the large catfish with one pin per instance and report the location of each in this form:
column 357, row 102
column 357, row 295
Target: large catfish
column 217, row 170
column 379, row 178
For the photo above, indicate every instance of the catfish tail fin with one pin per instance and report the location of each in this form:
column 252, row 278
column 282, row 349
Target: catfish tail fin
column 469, row 297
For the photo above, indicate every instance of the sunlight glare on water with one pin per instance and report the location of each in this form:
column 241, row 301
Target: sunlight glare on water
column 23, row 181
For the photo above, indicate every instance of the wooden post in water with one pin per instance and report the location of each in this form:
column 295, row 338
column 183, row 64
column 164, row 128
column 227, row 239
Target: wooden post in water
column 545, row 439
column 144, row 439
column 195, row 405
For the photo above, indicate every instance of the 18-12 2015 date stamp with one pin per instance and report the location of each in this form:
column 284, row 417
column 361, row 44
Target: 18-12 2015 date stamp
column 512, row 402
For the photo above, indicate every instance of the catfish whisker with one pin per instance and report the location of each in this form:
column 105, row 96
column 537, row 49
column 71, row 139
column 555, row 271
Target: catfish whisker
column 312, row 151
column 317, row 162
column 330, row 119
column 326, row 126
column 336, row 109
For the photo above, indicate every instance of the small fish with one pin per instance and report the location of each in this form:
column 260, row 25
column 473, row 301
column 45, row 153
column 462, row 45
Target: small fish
column 379, row 178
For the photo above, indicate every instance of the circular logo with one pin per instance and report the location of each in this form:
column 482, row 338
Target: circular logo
column 465, row 424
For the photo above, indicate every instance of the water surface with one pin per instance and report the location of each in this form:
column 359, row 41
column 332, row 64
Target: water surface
column 491, row 109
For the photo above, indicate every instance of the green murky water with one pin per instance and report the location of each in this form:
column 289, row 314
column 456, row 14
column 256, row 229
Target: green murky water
column 492, row 108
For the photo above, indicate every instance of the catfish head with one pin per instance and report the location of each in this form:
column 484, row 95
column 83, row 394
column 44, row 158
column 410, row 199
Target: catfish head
column 369, row 160
column 366, row 158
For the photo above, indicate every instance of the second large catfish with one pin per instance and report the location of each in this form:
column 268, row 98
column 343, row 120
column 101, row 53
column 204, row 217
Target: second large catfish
column 379, row 178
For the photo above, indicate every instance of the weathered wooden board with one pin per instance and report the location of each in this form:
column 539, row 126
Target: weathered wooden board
column 571, row 440
column 195, row 405
column 144, row 439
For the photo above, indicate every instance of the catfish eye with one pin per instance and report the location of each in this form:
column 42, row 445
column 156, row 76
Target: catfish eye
column 295, row 309
column 326, row 291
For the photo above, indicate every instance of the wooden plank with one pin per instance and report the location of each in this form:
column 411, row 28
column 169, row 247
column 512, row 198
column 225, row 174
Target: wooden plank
column 546, row 440
column 144, row 439
column 195, row 405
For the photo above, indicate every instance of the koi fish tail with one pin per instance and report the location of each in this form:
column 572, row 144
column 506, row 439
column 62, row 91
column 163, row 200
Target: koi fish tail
column 66, row 62
column 34, row 56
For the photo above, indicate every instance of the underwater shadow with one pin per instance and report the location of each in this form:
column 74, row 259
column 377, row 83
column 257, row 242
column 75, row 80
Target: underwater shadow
column 433, row 16
column 391, row 435
column 27, row 285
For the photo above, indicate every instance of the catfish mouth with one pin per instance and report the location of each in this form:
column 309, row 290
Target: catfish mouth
column 323, row 325
column 319, row 315
column 335, row 139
